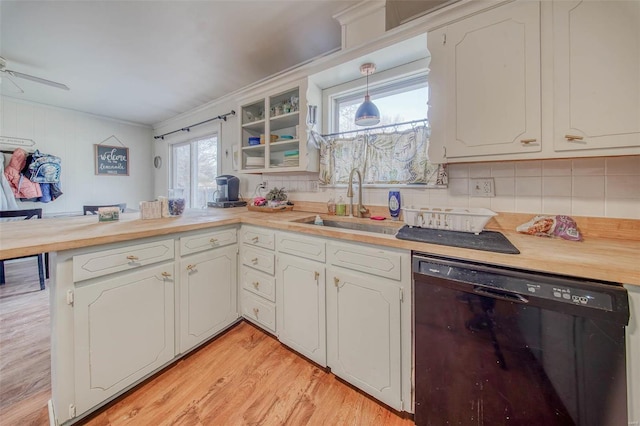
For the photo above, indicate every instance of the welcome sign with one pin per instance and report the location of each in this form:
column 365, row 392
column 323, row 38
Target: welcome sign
column 112, row 160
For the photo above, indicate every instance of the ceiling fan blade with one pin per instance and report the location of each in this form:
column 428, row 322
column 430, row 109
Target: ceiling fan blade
column 19, row 89
column 37, row 79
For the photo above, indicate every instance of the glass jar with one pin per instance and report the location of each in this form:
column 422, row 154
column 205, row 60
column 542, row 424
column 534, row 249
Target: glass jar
column 331, row 206
column 176, row 202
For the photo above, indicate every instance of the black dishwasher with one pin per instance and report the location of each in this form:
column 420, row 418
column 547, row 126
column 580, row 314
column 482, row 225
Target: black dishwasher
column 502, row 346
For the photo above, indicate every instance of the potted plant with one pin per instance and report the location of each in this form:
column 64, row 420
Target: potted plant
column 276, row 197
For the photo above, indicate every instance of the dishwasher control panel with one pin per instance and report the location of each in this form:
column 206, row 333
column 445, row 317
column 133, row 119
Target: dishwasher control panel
column 543, row 286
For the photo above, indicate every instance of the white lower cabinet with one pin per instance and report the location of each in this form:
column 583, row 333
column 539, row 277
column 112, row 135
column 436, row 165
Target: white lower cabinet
column 364, row 333
column 208, row 294
column 257, row 294
column 124, row 330
column 301, row 306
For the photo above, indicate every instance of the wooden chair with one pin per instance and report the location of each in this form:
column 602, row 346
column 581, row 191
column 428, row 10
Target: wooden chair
column 27, row 214
column 94, row 209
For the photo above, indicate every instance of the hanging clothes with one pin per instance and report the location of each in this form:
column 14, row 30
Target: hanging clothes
column 22, row 187
column 7, row 199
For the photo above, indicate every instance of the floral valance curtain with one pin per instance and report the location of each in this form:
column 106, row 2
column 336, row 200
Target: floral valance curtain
column 383, row 158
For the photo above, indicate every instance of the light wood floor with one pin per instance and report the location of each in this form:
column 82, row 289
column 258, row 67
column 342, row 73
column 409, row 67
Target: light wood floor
column 245, row 377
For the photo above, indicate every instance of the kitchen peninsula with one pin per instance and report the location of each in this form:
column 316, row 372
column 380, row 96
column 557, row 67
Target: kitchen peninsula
column 86, row 265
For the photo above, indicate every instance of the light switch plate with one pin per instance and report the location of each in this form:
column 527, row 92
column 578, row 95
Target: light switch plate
column 482, row 187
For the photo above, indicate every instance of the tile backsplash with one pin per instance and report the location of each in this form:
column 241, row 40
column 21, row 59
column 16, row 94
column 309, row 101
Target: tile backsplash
column 600, row 187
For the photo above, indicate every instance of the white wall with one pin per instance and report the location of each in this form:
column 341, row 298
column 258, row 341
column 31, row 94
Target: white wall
column 71, row 135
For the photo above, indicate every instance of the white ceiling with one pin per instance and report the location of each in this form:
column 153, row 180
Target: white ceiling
column 147, row 61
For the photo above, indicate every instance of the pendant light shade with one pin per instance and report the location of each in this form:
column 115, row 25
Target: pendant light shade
column 367, row 114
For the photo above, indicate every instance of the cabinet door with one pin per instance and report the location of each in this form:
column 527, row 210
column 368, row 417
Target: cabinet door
column 488, row 88
column 301, row 307
column 124, row 330
column 596, row 74
column 207, row 295
column 363, row 333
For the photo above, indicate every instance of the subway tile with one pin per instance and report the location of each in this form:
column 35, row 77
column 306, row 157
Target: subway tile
column 505, row 186
column 479, row 170
column 588, row 167
column 556, row 168
column 458, row 170
column 588, row 187
column 480, row 202
column 528, row 204
column 438, row 198
column 528, row 186
column 623, row 187
column 529, row 168
column 587, row 207
column 457, row 201
column 622, row 208
column 628, row 165
column 503, row 169
column 503, row 203
column 556, row 186
column 556, row 205
column 458, row 186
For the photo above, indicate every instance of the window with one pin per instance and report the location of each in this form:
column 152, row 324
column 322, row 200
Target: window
column 398, row 103
column 392, row 155
column 194, row 166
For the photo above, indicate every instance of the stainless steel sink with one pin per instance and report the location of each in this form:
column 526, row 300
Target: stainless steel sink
column 358, row 226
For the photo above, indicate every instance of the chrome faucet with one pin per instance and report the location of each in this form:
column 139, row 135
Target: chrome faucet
column 361, row 210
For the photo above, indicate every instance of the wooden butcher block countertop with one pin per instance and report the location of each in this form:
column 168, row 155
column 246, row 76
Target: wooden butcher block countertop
column 610, row 250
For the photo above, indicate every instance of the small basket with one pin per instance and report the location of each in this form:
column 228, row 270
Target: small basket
column 451, row 219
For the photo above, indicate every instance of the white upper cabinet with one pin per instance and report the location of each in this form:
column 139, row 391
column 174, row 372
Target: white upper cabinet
column 485, row 84
column 596, row 75
column 273, row 132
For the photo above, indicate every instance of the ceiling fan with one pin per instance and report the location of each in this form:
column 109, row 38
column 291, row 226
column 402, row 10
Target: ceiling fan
column 16, row 74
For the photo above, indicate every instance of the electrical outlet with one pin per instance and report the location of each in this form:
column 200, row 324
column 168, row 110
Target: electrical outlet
column 483, row 187
column 263, row 185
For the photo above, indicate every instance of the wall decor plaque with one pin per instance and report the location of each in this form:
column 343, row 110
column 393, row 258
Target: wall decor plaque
column 111, row 160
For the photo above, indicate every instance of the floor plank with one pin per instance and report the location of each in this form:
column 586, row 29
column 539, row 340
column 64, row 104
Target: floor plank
column 244, row 377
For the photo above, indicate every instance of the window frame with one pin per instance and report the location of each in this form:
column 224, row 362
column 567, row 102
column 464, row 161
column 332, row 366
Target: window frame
column 193, row 160
column 395, row 80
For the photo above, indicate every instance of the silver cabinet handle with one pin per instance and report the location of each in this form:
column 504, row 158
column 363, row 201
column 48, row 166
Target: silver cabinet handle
column 191, row 267
column 132, row 258
column 165, row 274
column 213, row 240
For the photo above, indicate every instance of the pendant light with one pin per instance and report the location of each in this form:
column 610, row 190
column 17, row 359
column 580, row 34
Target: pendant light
column 367, row 114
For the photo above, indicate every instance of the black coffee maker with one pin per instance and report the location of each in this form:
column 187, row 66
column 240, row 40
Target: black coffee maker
column 227, row 193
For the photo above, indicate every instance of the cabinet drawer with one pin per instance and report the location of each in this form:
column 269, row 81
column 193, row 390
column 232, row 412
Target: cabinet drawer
column 207, row 241
column 258, row 259
column 259, row 310
column 297, row 245
column 258, row 283
column 264, row 238
column 371, row 260
column 92, row 265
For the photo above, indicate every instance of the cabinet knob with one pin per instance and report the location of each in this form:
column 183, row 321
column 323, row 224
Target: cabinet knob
column 254, row 260
column 165, row 274
column 527, row 141
column 213, row 240
column 571, row 138
column 191, row 267
column 132, row 258
column 255, row 239
column 255, row 312
column 317, row 275
column 336, row 281
column 256, row 284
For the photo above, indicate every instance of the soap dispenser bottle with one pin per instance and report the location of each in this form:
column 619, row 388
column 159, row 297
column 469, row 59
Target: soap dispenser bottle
column 394, row 204
column 318, row 221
